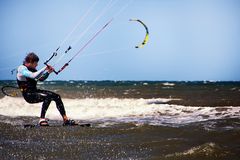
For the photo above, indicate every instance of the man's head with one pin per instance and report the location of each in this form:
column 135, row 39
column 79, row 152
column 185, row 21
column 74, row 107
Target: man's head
column 31, row 60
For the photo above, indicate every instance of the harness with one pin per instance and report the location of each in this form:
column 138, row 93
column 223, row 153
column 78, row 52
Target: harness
column 29, row 85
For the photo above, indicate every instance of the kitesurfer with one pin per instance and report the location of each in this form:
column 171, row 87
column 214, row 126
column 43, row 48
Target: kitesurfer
column 27, row 77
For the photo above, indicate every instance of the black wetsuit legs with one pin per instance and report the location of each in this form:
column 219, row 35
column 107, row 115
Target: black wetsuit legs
column 46, row 97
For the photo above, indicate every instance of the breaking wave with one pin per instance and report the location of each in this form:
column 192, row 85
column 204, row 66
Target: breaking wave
column 140, row 111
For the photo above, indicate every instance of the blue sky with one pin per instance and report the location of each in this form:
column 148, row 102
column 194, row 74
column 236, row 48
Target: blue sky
column 189, row 39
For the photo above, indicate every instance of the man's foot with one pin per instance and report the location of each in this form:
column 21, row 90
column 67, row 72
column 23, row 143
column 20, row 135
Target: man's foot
column 43, row 122
column 69, row 122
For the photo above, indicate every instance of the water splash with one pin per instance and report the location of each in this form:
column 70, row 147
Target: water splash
column 142, row 111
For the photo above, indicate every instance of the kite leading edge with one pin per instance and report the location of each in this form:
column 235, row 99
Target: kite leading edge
column 146, row 36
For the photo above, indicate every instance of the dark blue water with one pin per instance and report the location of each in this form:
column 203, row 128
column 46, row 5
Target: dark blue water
column 197, row 93
column 130, row 120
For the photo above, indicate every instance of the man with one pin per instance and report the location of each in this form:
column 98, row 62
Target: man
column 27, row 77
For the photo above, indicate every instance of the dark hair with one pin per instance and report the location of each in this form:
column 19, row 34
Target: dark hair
column 31, row 57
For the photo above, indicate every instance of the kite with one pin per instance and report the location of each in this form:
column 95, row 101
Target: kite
column 146, row 36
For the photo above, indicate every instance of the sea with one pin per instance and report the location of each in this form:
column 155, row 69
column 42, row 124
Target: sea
column 159, row 120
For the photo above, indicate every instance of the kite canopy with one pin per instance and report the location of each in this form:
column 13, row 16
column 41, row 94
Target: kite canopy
column 146, row 36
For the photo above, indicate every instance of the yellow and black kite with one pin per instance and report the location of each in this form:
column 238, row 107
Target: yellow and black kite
column 146, row 36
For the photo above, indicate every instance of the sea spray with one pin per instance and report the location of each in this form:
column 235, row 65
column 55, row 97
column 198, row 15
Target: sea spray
column 148, row 111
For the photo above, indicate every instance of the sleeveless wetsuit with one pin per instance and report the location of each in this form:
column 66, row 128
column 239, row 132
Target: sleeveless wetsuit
column 27, row 82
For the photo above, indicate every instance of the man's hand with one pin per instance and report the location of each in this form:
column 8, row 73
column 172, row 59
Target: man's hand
column 50, row 69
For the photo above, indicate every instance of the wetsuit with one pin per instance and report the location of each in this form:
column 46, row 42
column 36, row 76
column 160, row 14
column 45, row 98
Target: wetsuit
column 27, row 82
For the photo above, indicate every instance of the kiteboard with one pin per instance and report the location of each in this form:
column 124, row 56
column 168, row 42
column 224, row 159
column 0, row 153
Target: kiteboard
column 77, row 125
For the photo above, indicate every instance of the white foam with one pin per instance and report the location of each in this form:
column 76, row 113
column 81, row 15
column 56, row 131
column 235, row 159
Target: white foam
column 206, row 149
column 151, row 111
column 168, row 84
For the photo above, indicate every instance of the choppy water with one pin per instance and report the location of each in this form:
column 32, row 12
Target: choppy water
column 131, row 120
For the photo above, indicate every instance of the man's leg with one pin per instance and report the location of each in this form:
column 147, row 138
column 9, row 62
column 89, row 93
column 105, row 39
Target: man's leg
column 36, row 97
column 51, row 96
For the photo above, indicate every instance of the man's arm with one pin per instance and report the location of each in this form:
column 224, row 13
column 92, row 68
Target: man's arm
column 44, row 76
column 33, row 75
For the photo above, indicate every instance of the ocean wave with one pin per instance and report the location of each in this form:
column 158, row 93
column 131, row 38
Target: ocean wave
column 207, row 150
column 155, row 111
column 168, row 84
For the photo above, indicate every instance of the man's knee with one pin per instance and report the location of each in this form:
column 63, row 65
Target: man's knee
column 56, row 97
